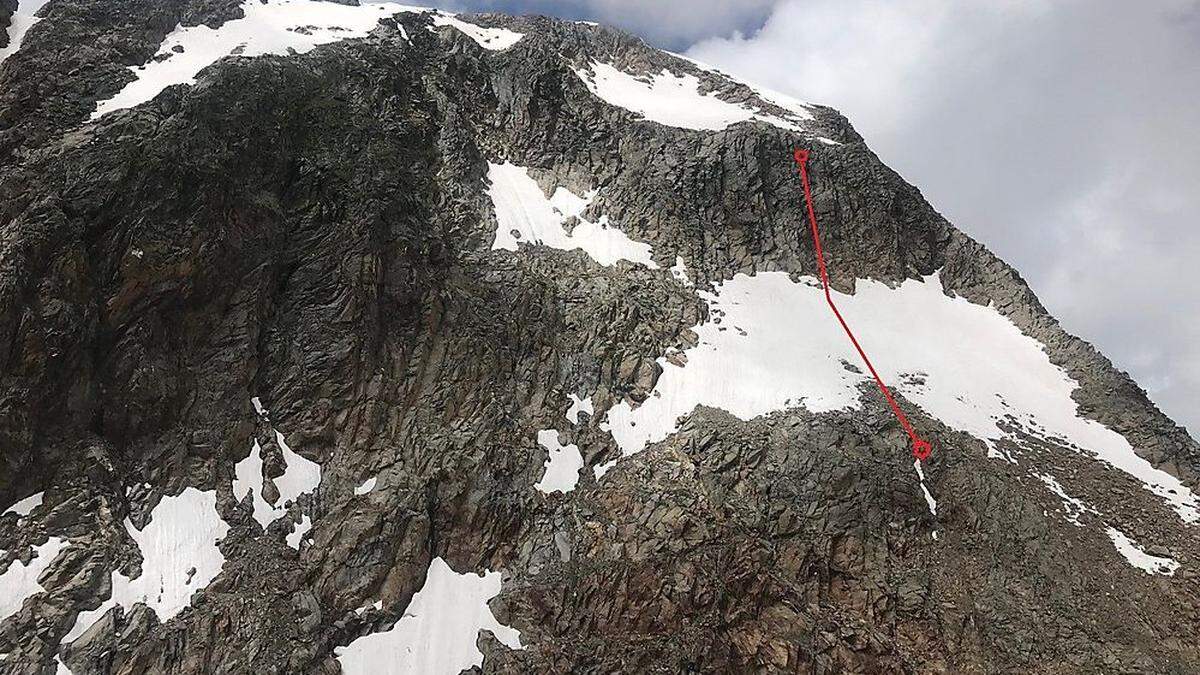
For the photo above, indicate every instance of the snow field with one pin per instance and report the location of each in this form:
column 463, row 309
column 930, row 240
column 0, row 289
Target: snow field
column 948, row 363
column 675, row 100
column 19, row 581
column 274, row 27
column 437, row 634
column 26, row 506
column 521, row 206
column 1137, row 557
column 300, row 476
column 22, row 20
column 179, row 556
column 563, row 465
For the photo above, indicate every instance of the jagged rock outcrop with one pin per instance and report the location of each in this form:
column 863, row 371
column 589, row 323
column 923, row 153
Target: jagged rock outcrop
column 7, row 7
column 290, row 262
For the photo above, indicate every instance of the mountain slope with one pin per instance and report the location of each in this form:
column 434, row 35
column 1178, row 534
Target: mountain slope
column 394, row 326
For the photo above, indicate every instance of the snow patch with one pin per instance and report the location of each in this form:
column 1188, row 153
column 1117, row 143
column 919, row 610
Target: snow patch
column 679, row 271
column 929, row 500
column 521, row 206
column 977, row 369
column 378, row 605
column 1071, row 505
column 801, row 109
column 179, row 557
column 300, row 476
column 366, row 486
column 21, row 21
column 276, row 27
column 19, row 581
column 248, row 479
column 563, row 465
column 495, row 39
column 438, row 631
column 674, row 100
column 579, row 405
column 600, row 469
column 299, row 530
column 26, row 505
column 1150, row 564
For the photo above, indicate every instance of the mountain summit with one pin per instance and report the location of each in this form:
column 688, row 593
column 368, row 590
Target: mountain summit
column 341, row 337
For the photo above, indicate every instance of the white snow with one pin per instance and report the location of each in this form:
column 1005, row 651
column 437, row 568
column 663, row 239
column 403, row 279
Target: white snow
column 563, row 465
column 793, row 105
column 675, row 100
column 1073, row 507
column 977, row 367
column 579, row 405
column 522, row 206
column 182, row 535
column 258, row 406
column 299, row 477
column 298, row 532
column 272, row 28
column 438, row 631
column 600, row 469
column 26, row 505
column 21, row 581
column 22, row 20
column 801, row 110
column 929, row 500
column 377, row 605
column 1137, row 557
column 248, row 478
column 366, row 486
column 679, row 271
column 179, row 557
column 495, row 39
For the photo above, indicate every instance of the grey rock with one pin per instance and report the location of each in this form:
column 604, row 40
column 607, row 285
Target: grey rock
column 7, row 7
column 314, row 230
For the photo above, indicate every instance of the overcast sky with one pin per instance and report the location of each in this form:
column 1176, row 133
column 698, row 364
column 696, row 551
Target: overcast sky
column 1064, row 134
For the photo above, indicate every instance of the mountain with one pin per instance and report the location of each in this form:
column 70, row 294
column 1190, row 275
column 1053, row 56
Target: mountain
column 365, row 339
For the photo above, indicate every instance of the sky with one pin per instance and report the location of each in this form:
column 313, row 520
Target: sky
column 1063, row 134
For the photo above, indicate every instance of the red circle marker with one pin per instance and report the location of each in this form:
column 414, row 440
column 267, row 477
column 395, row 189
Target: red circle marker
column 921, row 449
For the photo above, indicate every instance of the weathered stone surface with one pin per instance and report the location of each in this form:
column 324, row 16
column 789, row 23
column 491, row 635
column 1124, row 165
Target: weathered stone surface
column 7, row 7
column 314, row 231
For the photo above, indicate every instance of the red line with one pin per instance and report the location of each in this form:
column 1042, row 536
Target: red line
column 921, row 448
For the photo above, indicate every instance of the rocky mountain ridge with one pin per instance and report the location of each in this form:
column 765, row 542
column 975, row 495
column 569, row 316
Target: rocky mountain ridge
column 270, row 340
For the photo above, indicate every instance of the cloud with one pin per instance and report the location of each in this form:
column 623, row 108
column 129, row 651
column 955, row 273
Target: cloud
column 1061, row 134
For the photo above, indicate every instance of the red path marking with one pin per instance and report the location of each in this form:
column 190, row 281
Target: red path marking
column 921, row 448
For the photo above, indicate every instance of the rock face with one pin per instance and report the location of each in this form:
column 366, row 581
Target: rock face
column 7, row 8
column 263, row 366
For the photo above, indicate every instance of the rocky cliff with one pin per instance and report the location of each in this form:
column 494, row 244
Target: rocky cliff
column 350, row 338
